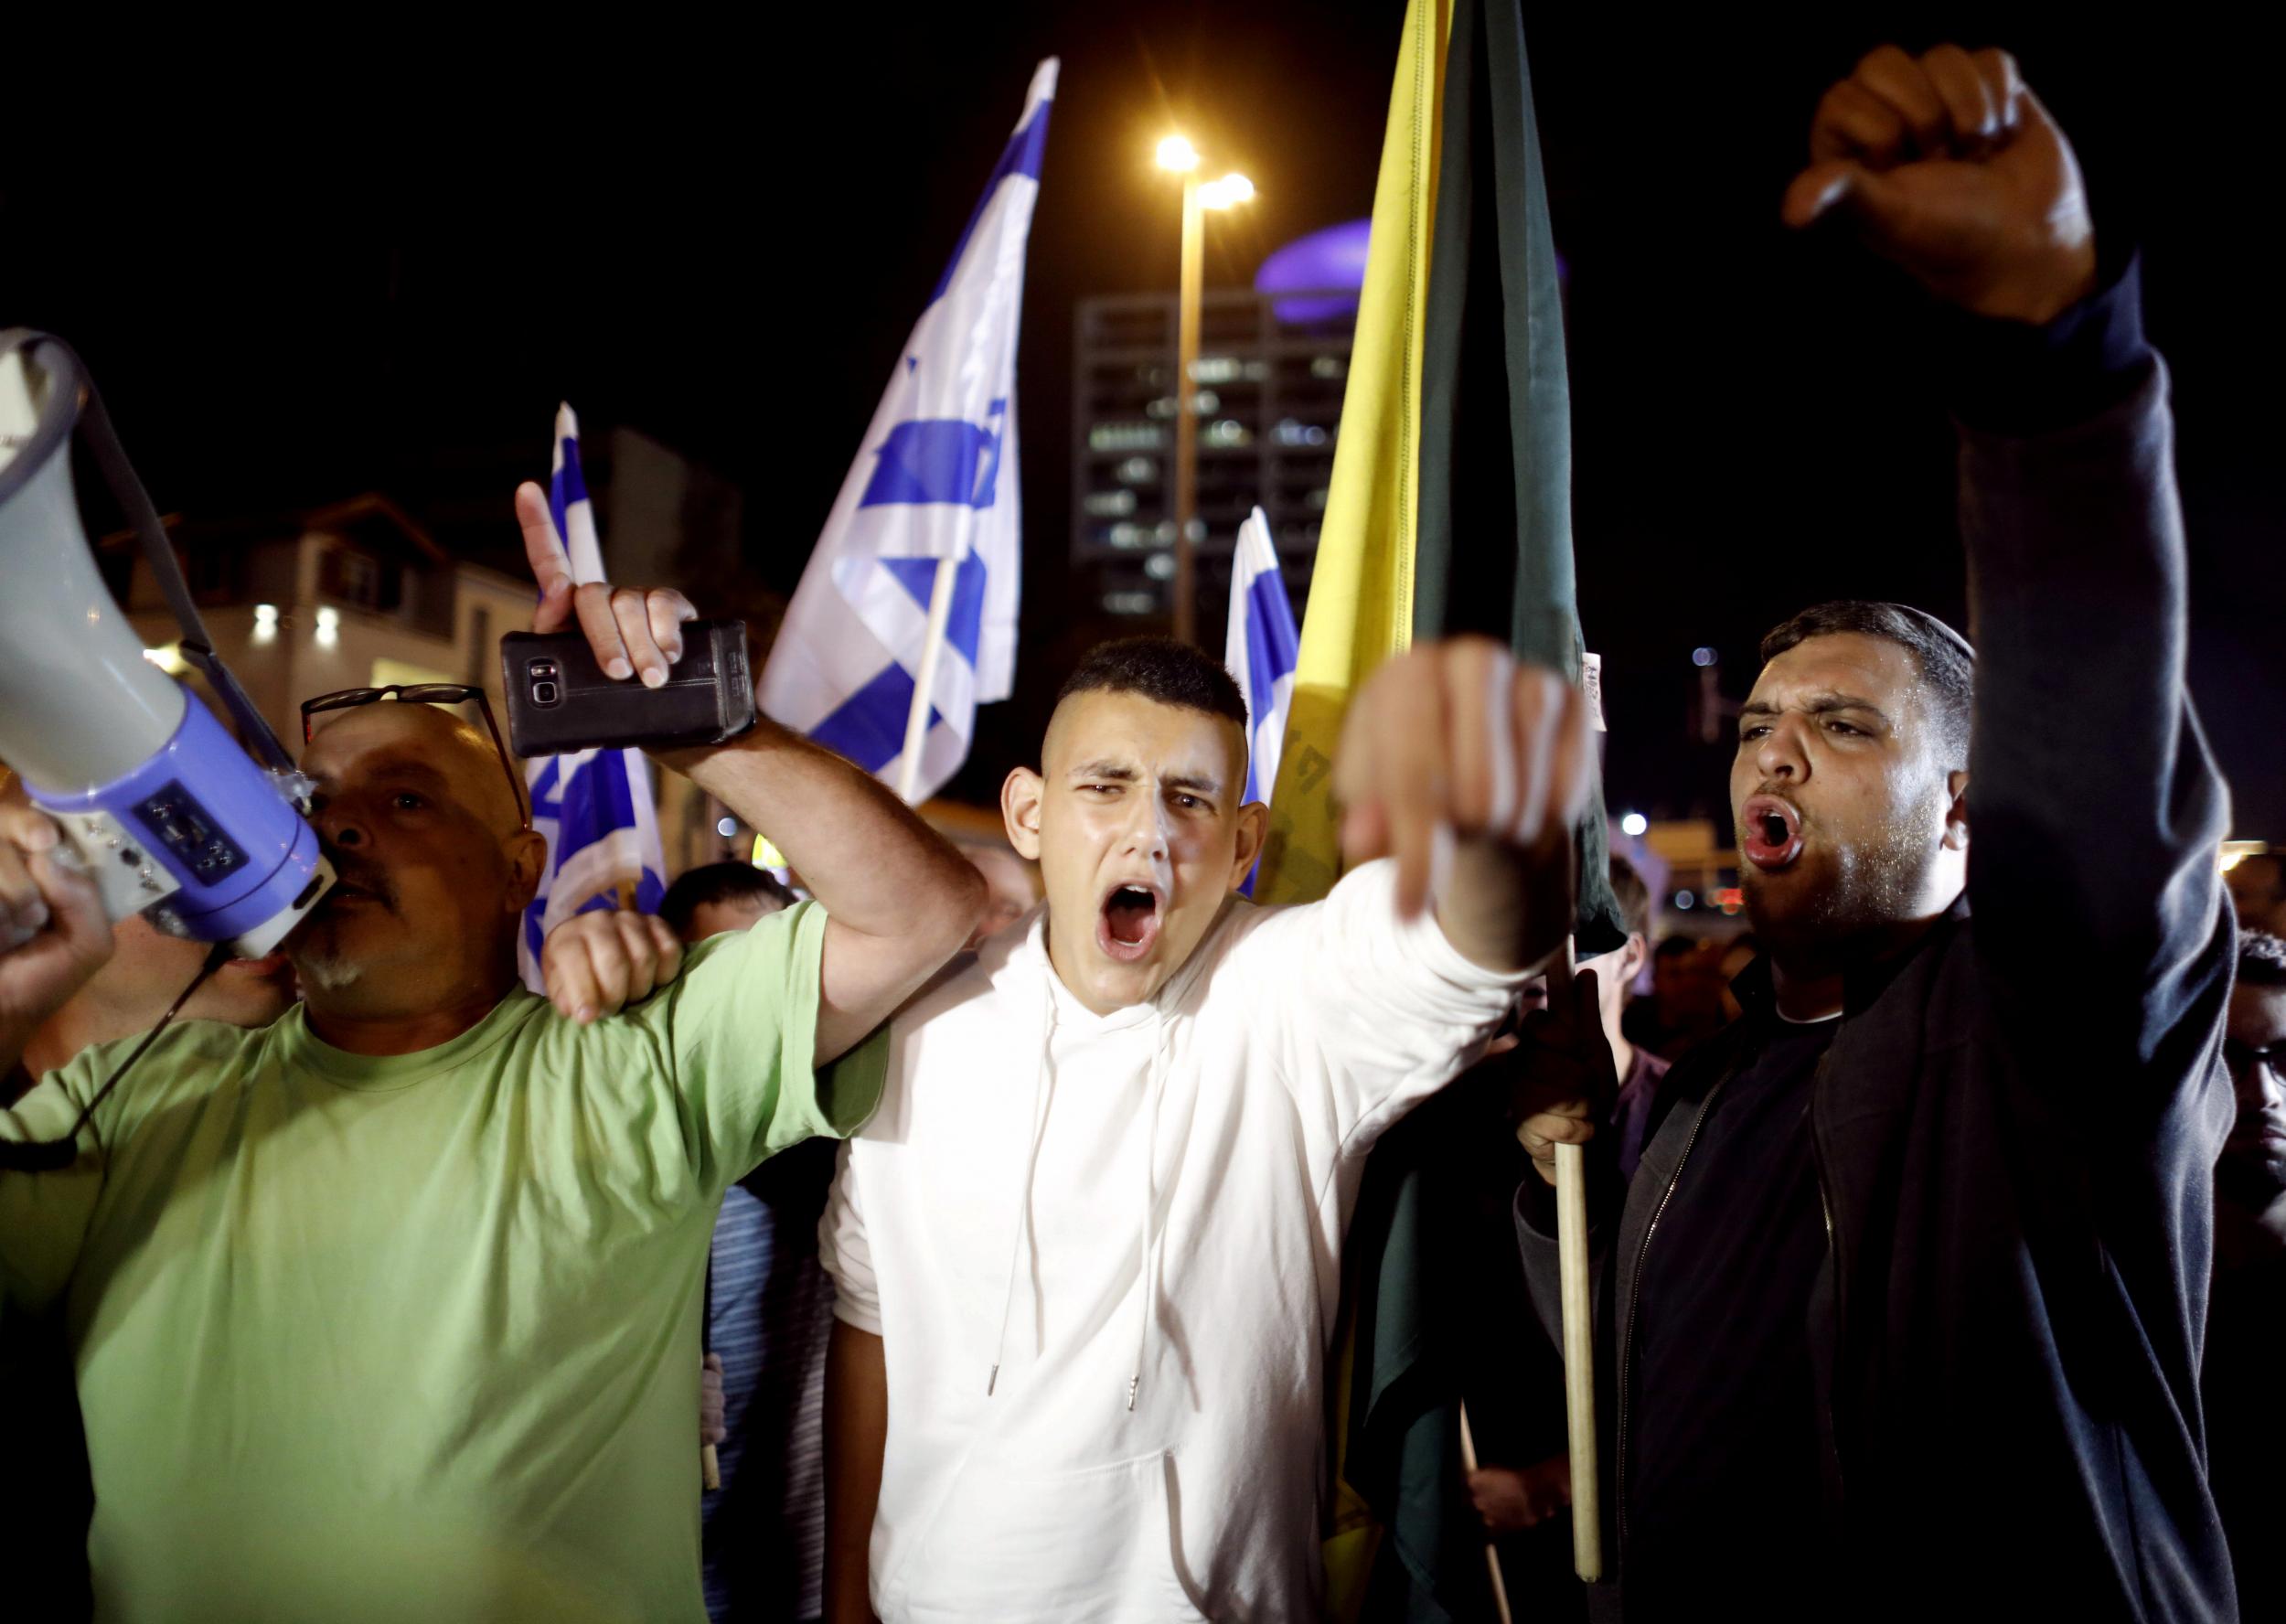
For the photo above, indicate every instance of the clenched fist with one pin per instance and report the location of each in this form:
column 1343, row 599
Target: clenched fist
column 1948, row 165
column 1456, row 741
column 54, row 934
column 597, row 963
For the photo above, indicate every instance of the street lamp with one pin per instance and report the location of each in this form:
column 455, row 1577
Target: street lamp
column 1178, row 155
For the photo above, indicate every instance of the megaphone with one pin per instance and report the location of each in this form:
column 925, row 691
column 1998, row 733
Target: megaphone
column 170, row 815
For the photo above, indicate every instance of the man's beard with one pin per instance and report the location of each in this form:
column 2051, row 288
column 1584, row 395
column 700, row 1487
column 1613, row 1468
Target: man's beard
column 1875, row 886
column 2250, row 1179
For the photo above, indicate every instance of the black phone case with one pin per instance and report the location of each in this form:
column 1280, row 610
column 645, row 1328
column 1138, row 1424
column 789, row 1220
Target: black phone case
column 560, row 701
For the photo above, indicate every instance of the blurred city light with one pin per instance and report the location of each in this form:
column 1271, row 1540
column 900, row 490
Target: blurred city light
column 1222, row 193
column 1686, row 901
column 1176, row 153
column 1633, row 824
column 329, row 627
column 1703, row 658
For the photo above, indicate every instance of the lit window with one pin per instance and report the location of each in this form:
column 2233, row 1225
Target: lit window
column 1130, row 603
column 1110, row 504
column 1160, row 566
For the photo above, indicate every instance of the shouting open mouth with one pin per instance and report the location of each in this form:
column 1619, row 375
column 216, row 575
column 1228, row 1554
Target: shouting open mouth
column 1126, row 926
column 1769, row 832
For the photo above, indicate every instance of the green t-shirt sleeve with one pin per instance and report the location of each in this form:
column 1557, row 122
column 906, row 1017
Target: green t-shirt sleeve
column 742, row 1025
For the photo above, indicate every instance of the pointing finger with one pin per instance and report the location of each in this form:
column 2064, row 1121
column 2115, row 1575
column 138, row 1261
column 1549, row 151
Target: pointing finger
column 543, row 550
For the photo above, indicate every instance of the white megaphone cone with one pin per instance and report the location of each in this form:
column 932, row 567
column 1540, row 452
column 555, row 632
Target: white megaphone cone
column 170, row 813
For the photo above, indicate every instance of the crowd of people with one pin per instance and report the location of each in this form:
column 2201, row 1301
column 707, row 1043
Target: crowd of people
column 985, row 1211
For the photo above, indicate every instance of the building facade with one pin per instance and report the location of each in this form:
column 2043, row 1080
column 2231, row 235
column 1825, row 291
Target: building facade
column 1267, row 388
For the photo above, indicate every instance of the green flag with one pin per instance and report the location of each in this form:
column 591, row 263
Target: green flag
column 1494, row 555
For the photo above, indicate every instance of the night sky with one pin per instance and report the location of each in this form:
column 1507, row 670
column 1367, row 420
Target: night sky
column 341, row 264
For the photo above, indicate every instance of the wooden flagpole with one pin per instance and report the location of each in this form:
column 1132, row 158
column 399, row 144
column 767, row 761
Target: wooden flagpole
column 924, row 680
column 1492, row 1555
column 1579, row 1323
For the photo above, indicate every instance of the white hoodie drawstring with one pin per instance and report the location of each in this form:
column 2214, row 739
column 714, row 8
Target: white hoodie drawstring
column 1151, row 1203
column 1023, row 1201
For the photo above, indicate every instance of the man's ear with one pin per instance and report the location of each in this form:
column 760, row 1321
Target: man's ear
column 527, row 851
column 1021, row 797
column 1957, row 813
column 1254, row 828
column 1631, row 960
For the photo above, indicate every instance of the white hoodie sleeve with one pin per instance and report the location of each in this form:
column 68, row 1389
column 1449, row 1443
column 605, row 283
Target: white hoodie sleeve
column 1376, row 1012
column 842, row 1249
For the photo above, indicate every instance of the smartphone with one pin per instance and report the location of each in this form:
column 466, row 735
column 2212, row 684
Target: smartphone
column 560, row 701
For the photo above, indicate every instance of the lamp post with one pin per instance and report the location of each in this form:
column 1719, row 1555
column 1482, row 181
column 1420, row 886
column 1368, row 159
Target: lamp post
column 1177, row 154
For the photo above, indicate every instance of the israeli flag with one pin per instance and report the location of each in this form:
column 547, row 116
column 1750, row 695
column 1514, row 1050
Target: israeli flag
column 935, row 479
column 597, row 807
column 1261, row 648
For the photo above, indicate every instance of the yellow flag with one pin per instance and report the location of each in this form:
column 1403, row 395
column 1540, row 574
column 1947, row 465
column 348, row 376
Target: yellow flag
column 1361, row 591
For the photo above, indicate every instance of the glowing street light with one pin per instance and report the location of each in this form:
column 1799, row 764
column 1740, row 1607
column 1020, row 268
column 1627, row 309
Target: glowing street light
column 1223, row 192
column 1178, row 155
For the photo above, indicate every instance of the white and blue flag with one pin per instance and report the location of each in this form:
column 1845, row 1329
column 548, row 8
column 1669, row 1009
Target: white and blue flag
column 937, row 478
column 1261, row 650
column 596, row 807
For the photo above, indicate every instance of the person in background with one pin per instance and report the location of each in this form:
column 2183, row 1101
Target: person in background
column 720, row 896
column 769, row 1307
column 2258, row 891
column 1655, row 1022
column 1012, row 886
column 2245, row 1321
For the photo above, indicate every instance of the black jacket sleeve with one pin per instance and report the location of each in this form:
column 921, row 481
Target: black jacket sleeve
column 2094, row 806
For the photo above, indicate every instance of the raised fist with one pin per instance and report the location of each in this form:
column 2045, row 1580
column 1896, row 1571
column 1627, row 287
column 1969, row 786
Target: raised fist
column 1948, row 165
column 1456, row 737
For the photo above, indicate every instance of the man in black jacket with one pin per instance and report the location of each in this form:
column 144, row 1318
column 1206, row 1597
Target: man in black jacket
column 1902, row 1312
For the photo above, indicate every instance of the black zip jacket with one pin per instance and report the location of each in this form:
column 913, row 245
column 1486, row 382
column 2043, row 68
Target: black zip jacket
column 2015, row 1129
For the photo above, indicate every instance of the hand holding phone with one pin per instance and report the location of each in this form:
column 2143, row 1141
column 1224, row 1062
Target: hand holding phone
column 606, row 665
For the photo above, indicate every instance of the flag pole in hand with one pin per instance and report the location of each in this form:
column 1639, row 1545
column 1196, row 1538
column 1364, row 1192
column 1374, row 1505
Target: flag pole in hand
column 1579, row 1324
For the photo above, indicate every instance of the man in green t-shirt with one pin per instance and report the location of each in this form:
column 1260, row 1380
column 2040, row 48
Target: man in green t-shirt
column 389, row 1310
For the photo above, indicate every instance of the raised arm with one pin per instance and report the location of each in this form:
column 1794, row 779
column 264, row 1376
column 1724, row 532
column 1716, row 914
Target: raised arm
column 1470, row 770
column 900, row 900
column 2094, row 806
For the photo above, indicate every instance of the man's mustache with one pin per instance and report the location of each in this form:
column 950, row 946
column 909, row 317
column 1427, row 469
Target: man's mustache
column 361, row 875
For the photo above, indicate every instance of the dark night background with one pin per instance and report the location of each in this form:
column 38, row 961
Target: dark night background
column 346, row 264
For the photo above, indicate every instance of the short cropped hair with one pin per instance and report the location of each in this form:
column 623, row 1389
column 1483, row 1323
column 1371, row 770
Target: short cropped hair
column 1161, row 669
column 2261, row 959
column 1946, row 662
column 1633, row 897
column 718, row 882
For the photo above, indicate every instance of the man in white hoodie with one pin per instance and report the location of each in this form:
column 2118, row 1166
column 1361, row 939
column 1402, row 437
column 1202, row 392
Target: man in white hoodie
column 1088, row 1249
